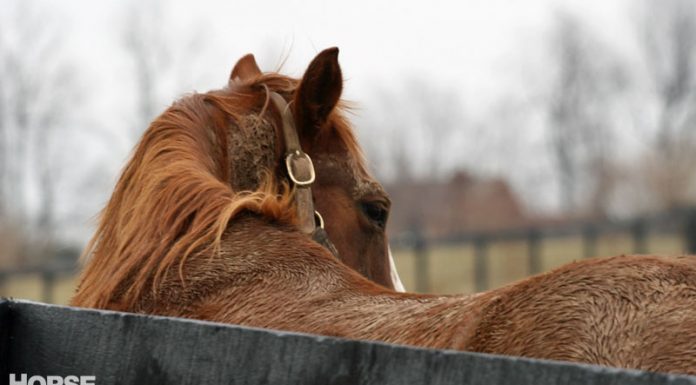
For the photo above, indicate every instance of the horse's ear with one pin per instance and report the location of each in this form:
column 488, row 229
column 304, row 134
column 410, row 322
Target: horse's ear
column 318, row 92
column 245, row 69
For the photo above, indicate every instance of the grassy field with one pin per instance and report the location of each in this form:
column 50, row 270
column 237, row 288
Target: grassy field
column 451, row 268
column 31, row 287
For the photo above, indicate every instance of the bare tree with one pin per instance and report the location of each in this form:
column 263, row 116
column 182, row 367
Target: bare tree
column 4, row 139
column 579, row 111
column 386, row 137
column 439, row 112
column 162, row 56
column 37, row 92
column 667, row 31
column 414, row 131
column 147, row 47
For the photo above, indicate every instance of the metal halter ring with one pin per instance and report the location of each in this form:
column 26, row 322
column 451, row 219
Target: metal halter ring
column 288, row 164
column 319, row 219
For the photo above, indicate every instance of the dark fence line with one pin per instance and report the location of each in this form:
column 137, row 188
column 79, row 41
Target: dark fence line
column 121, row 348
column 681, row 222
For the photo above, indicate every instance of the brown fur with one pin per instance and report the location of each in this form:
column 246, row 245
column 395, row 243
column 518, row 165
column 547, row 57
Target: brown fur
column 176, row 239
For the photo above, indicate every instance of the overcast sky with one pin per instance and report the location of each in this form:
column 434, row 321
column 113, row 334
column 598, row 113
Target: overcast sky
column 472, row 46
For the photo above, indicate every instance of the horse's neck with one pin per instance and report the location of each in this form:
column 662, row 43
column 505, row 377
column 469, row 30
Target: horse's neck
column 270, row 276
column 429, row 321
column 275, row 277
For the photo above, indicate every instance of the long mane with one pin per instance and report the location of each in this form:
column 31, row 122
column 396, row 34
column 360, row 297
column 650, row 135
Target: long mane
column 174, row 199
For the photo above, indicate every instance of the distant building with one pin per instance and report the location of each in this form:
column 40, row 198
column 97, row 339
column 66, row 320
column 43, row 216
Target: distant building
column 462, row 204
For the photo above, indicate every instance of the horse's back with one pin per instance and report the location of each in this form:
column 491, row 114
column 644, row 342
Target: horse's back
column 625, row 311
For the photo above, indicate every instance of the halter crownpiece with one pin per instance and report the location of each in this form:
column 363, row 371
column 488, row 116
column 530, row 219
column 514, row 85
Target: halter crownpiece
column 300, row 170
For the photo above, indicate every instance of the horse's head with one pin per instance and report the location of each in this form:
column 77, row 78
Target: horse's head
column 216, row 155
column 353, row 204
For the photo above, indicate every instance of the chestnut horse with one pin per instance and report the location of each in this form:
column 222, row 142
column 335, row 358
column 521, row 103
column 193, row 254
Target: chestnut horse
column 203, row 224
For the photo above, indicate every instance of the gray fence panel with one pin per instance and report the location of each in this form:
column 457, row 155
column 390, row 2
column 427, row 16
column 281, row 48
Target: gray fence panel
column 121, row 348
column 4, row 340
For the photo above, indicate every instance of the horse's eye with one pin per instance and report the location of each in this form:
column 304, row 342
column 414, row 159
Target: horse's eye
column 376, row 212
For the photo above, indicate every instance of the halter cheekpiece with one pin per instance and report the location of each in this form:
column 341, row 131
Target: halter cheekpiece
column 300, row 170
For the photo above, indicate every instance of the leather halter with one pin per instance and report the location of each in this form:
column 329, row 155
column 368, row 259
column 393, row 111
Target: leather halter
column 300, row 170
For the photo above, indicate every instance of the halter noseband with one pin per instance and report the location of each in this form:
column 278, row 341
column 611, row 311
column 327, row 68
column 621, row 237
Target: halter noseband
column 301, row 173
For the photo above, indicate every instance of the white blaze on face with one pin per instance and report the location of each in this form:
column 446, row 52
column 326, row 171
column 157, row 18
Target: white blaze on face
column 398, row 286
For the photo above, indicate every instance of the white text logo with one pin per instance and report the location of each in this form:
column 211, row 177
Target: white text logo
column 52, row 380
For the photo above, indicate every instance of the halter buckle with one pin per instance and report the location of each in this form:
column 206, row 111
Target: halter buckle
column 301, row 162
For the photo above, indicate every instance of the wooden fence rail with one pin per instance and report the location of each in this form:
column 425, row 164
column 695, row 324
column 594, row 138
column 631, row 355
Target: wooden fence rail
column 121, row 348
